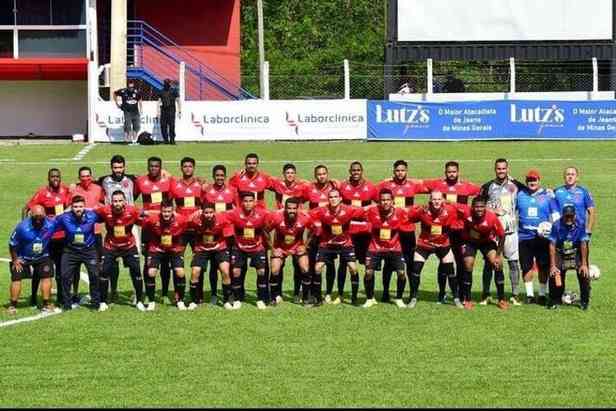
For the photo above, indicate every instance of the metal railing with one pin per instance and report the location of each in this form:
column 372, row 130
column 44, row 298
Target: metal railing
column 155, row 57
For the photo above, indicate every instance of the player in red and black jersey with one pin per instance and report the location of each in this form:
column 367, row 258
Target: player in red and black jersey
column 287, row 227
column 482, row 231
column 437, row 220
column 153, row 189
column 455, row 191
column 165, row 230
column 249, row 224
column 404, row 191
column 54, row 198
column 211, row 236
column 317, row 196
column 386, row 224
column 335, row 241
column 357, row 192
column 120, row 242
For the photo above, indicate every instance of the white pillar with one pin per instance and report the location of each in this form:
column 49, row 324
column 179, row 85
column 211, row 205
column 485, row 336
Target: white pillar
column 595, row 75
column 261, row 48
column 430, row 85
column 182, row 82
column 266, row 88
column 347, row 80
column 118, row 44
column 512, row 75
column 93, row 74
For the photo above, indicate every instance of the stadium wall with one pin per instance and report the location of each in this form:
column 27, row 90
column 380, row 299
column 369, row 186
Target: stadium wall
column 43, row 108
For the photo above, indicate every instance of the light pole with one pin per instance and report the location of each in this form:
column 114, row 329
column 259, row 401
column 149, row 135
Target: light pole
column 261, row 46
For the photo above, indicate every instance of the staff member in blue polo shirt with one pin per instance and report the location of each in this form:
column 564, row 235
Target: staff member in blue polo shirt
column 79, row 248
column 580, row 197
column 29, row 248
column 568, row 250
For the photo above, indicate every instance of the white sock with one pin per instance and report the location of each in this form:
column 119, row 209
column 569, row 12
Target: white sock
column 529, row 288
column 542, row 289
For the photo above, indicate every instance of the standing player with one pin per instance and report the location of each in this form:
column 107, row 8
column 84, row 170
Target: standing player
column 357, row 192
column 119, row 219
column 456, row 192
column 164, row 232
column 211, row 236
column 501, row 193
column 481, row 230
column 54, row 198
column 569, row 251
column 249, row 224
column 437, row 220
column 404, row 192
column 317, row 196
column 535, row 207
column 287, row 227
column 290, row 187
column 580, row 197
column 29, row 249
column 386, row 223
column 335, row 241
column 154, row 188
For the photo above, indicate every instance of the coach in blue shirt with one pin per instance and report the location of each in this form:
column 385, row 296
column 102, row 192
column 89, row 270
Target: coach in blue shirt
column 580, row 197
column 29, row 249
column 569, row 250
column 79, row 248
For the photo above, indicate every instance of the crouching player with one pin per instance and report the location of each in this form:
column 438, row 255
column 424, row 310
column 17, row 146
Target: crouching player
column 437, row 220
column 385, row 221
column 482, row 231
column 569, row 251
column 288, row 227
column 211, row 233
column 164, row 232
column 119, row 242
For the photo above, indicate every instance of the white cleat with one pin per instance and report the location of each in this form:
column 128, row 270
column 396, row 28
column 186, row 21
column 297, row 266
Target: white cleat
column 237, row 305
column 151, row 306
column 75, row 306
column 337, row 301
column 261, row 305
column 181, row 306
column 102, row 307
column 140, row 306
column 328, row 299
column 228, row 306
column 279, row 299
column 399, row 303
column 85, row 299
column 458, row 303
column 192, row 306
column 412, row 303
column 514, row 301
column 369, row 303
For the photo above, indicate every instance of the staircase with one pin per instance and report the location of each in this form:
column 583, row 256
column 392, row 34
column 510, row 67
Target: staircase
column 153, row 57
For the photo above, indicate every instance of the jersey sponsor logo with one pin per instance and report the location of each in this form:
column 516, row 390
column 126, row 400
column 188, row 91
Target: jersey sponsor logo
column 166, row 240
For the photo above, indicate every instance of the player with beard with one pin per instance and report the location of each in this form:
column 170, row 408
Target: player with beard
column 437, row 220
column 317, row 196
column 386, row 222
column 404, row 191
column 356, row 192
column 481, row 230
column 335, row 240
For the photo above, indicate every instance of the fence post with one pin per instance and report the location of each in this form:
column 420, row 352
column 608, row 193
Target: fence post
column 595, row 75
column 347, row 80
column 512, row 75
column 182, row 81
column 266, row 85
column 430, row 85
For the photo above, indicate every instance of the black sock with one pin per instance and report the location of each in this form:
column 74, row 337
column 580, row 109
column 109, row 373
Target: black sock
column 330, row 276
column 369, row 286
column 355, row 286
column 386, row 280
column 35, row 285
column 13, row 303
column 342, row 269
column 165, row 277
column 442, row 281
column 274, row 282
column 467, row 284
column 150, row 287
column 115, row 275
column 213, row 280
column 486, row 278
column 243, row 282
column 262, row 287
column 236, row 287
column 499, row 279
column 297, row 279
column 180, row 287
column 103, row 284
column 193, row 291
column 316, row 286
column 306, row 285
column 400, row 285
column 449, row 273
column 226, row 292
column 415, row 278
column 135, row 277
column 45, row 303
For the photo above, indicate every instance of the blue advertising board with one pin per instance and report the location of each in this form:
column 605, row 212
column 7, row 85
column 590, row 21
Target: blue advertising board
column 492, row 120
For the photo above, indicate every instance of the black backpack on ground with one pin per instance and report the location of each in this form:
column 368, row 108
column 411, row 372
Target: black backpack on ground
column 145, row 139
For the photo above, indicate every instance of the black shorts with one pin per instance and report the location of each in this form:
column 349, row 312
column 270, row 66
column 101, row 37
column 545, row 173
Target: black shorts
column 42, row 268
column 201, row 259
column 132, row 120
column 328, row 254
column 538, row 249
column 154, row 260
column 258, row 259
column 361, row 242
column 440, row 252
column 394, row 260
column 129, row 257
column 470, row 249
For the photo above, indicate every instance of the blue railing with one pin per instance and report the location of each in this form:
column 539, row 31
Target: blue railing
column 154, row 57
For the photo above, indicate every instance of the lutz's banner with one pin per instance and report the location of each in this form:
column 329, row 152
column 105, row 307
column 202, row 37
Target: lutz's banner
column 492, row 120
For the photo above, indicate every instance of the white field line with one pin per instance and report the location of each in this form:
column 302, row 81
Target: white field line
column 83, row 152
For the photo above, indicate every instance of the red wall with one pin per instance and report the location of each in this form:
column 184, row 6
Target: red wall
column 209, row 29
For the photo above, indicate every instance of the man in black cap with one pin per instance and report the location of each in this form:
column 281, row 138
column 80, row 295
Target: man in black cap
column 168, row 98
column 131, row 107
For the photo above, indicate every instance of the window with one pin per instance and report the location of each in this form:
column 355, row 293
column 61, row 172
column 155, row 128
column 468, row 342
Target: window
column 33, row 12
column 52, row 43
column 7, row 16
column 6, row 43
column 48, row 12
column 68, row 12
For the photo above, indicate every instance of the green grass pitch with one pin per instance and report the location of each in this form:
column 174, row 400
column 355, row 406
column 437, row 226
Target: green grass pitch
column 334, row 355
